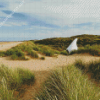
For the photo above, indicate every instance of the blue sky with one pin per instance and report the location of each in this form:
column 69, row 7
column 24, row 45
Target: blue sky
column 39, row 19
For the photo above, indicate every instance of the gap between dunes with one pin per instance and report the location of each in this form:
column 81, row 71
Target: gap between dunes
column 41, row 68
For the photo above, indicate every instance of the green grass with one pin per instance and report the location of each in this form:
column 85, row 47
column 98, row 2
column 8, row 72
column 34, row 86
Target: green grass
column 64, row 52
column 68, row 83
column 63, row 43
column 15, row 53
column 93, row 68
column 2, row 54
column 11, row 80
column 33, row 54
column 45, row 50
column 93, row 50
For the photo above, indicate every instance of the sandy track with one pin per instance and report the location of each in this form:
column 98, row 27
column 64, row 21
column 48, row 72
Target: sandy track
column 47, row 64
column 41, row 68
column 7, row 45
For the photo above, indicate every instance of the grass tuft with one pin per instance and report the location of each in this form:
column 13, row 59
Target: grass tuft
column 68, row 83
column 11, row 80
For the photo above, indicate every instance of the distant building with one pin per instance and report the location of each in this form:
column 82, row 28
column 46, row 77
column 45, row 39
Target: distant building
column 72, row 46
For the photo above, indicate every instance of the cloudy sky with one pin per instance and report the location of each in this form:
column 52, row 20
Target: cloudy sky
column 39, row 19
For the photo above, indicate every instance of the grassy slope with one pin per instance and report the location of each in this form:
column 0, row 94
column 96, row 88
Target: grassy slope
column 63, row 43
column 69, row 83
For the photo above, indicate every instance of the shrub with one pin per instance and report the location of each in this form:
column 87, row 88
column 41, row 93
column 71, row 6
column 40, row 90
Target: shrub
column 14, row 57
column 48, row 53
column 2, row 53
column 56, row 52
column 43, row 58
column 36, row 48
column 93, row 50
column 10, row 52
column 64, row 52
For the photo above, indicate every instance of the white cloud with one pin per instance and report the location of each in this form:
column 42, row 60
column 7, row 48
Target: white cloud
column 67, row 12
column 14, row 24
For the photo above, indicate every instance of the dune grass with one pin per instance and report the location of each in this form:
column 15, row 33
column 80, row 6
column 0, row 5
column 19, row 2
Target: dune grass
column 64, row 52
column 68, row 83
column 63, row 43
column 33, row 54
column 2, row 54
column 11, row 80
column 93, row 68
column 93, row 50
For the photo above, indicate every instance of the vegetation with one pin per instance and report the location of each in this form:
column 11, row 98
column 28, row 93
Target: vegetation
column 33, row 54
column 68, row 83
column 2, row 54
column 46, row 50
column 93, row 68
column 93, row 50
column 64, row 52
column 11, row 80
column 63, row 43
column 43, row 58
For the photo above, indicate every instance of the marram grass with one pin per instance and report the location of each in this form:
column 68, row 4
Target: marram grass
column 68, row 84
column 12, row 79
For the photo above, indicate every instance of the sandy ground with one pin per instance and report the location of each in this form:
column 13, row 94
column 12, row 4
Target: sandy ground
column 7, row 45
column 41, row 68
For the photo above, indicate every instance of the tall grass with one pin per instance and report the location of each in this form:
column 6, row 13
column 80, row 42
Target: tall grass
column 93, row 50
column 93, row 68
column 2, row 54
column 46, row 50
column 11, row 80
column 64, row 52
column 68, row 84
column 33, row 54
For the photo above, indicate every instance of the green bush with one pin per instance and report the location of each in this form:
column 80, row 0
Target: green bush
column 2, row 53
column 64, row 52
column 10, row 52
column 93, row 50
column 14, row 57
column 48, row 53
column 43, row 58
column 36, row 48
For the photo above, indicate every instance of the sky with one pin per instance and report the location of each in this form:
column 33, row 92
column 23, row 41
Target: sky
column 39, row 19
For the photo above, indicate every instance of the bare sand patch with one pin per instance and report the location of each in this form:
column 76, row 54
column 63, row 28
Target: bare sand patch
column 7, row 45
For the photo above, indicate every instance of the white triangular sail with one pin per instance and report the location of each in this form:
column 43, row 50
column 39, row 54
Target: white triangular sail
column 73, row 45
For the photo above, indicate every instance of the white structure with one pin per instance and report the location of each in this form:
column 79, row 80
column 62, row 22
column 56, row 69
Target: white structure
column 73, row 46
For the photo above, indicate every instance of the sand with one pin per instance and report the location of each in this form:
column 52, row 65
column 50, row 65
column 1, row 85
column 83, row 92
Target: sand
column 7, row 45
column 41, row 68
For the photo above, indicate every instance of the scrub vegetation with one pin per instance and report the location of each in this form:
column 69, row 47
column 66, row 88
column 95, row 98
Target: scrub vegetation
column 11, row 80
column 86, row 44
column 71, row 83
column 93, row 50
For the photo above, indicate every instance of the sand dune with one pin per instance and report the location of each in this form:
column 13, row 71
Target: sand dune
column 7, row 45
column 42, row 68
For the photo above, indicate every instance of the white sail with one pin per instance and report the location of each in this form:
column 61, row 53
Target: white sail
column 72, row 46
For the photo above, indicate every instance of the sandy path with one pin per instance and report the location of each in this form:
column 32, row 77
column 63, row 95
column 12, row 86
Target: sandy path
column 41, row 68
column 7, row 45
